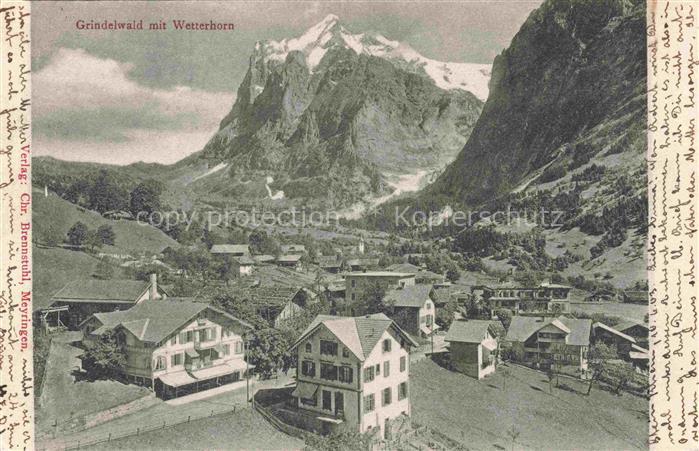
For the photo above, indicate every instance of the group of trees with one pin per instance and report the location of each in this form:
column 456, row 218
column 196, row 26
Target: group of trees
column 81, row 235
column 105, row 191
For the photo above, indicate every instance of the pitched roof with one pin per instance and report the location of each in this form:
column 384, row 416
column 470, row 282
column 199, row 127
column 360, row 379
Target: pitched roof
column 359, row 334
column 614, row 331
column 364, row 261
column 269, row 295
column 293, row 247
column 153, row 321
column 230, row 249
column 292, row 258
column 623, row 326
column 522, row 327
column 103, row 290
column 245, row 260
column 379, row 274
column 403, row 267
column 408, row 296
column 469, row 331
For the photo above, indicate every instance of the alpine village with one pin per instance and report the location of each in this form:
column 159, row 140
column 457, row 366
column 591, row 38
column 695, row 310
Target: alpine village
column 376, row 327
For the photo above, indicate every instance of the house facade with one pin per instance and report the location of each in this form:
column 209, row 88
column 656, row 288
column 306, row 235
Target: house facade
column 232, row 250
column 357, row 282
column 473, row 347
column 546, row 297
column 176, row 347
column 545, row 342
column 352, row 374
column 413, row 309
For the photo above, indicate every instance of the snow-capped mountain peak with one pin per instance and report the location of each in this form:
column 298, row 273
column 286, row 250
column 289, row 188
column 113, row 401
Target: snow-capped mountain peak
column 329, row 32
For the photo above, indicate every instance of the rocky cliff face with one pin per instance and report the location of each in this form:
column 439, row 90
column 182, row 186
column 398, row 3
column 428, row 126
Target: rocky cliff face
column 330, row 114
column 569, row 90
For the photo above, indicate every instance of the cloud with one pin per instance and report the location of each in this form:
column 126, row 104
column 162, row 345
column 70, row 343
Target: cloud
column 80, row 98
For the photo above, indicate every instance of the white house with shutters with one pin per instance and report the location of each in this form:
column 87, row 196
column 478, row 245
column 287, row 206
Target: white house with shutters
column 352, row 374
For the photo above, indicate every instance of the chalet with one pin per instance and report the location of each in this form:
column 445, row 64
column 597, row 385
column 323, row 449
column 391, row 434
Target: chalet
column 635, row 296
column 363, row 263
column 290, row 261
column 293, row 249
column 232, row 250
column 352, row 374
column 473, row 347
column 79, row 299
column 176, row 347
column 636, row 330
column 242, row 266
column 357, row 282
column 277, row 303
column 546, row 297
column 329, row 263
column 264, row 258
column 613, row 337
column 542, row 341
column 412, row 309
column 443, row 294
column 421, row 275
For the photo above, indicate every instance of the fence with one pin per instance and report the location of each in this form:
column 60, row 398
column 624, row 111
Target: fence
column 130, row 431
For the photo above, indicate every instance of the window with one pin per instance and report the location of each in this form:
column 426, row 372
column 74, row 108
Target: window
column 353, row 283
column 369, row 374
column 354, row 298
column 173, row 341
column 345, row 374
column 176, row 359
column 386, row 396
column 345, row 352
column 226, row 349
column 189, row 336
column 327, row 400
column 402, row 390
column 387, row 345
column 386, row 368
column 378, row 369
column 328, row 347
column 328, row 372
column 308, row 368
column 428, row 305
column 402, row 364
column 160, row 363
column 310, row 401
column 238, row 347
column 309, row 347
column 369, row 403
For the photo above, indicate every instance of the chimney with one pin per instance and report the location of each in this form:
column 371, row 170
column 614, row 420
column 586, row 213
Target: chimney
column 153, row 289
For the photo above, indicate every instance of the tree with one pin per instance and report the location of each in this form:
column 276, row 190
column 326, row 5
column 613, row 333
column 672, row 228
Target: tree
column 106, row 234
column 106, row 194
column 77, row 234
column 92, row 240
column 453, row 274
column 145, row 197
column 104, row 270
column 104, row 356
column 371, row 300
column 445, row 315
column 269, row 352
column 261, row 243
column 598, row 358
column 505, row 317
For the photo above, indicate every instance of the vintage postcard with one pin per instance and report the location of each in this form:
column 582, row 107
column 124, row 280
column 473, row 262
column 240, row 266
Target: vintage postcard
column 348, row 225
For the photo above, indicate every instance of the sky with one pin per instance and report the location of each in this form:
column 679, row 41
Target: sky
column 158, row 96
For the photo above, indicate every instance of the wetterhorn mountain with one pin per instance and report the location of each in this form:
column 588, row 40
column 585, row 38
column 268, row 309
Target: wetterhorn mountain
column 338, row 116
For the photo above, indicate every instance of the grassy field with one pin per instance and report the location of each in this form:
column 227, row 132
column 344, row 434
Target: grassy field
column 634, row 312
column 481, row 414
column 64, row 397
column 53, row 216
column 244, row 429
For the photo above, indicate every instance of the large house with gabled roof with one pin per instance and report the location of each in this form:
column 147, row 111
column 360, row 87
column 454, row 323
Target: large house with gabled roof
column 473, row 347
column 175, row 346
column 548, row 341
column 352, row 374
column 412, row 309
